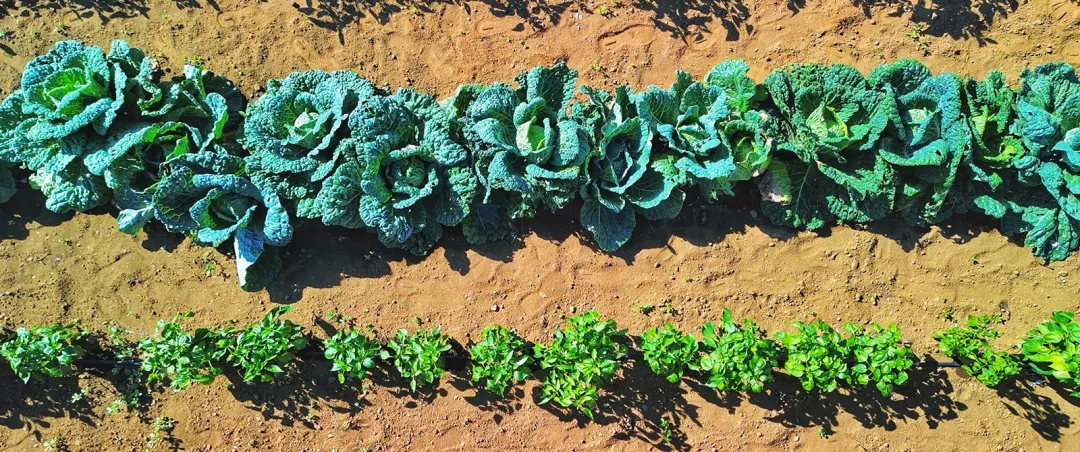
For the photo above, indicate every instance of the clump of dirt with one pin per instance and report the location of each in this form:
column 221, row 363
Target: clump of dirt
column 65, row 267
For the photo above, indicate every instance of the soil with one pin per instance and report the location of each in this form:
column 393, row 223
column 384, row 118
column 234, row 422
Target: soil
column 67, row 267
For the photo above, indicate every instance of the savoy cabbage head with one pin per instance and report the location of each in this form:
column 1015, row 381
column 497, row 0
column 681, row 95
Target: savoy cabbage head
column 293, row 131
column 1022, row 169
column 826, row 168
column 525, row 151
column 708, row 143
column 403, row 175
column 1042, row 201
column 990, row 108
column 927, row 140
column 202, row 116
column 746, row 133
column 206, row 196
column 67, row 102
column 621, row 179
column 10, row 117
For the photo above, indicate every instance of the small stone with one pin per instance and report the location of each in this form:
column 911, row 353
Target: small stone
column 796, row 438
column 494, row 308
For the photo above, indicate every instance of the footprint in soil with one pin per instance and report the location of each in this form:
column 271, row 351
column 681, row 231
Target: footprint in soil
column 634, row 37
column 633, row 42
column 304, row 50
column 499, row 27
column 232, row 18
column 247, row 16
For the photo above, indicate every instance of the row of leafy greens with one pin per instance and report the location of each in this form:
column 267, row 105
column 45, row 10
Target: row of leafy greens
column 823, row 144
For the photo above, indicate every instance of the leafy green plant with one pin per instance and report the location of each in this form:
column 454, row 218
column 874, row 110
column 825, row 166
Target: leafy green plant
column 198, row 113
column 1053, row 349
column 401, row 174
column 927, row 139
column 817, row 355
column 826, row 169
column 294, row 129
column 525, row 151
column 179, row 358
column 418, row 357
column 736, row 357
column 582, row 357
column 265, row 349
column 205, row 196
column 67, row 102
column 56, row 444
column 352, row 352
column 667, row 431
column 970, row 346
column 160, row 430
column 879, row 357
column 46, row 351
column 669, row 351
column 500, row 359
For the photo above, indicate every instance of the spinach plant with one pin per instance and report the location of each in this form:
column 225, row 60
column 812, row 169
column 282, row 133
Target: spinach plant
column 971, row 347
column 352, row 352
column 419, row 356
column 817, row 355
column 500, row 359
column 181, row 358
column 736, row 357
column 879, row 357
column 669, row 351
column 582, row 357
column 263, row 350
column 1053, row 348
column 41, row 352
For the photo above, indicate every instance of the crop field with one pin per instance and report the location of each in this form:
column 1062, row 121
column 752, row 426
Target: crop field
column 367, row 225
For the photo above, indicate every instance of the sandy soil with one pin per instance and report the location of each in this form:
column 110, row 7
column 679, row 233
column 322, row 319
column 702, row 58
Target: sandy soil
column 63, row 267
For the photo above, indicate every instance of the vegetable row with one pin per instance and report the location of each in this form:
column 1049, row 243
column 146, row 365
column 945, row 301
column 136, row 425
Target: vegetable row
column 576, row 364
column 823, row 145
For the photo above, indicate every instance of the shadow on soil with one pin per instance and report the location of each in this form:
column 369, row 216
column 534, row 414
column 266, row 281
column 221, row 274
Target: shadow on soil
column 296, row 400
column 956, row 19
column 677, row 17
column 321, row 257
column 103, row 10
column 687, row 19
column 643, row 405
column 24, row 406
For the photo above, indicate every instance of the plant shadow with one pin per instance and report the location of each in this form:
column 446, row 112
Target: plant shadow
column 1045, row 416
column 28, row 206
column 679, row 18
column 103, row 10
column 957, row 19
column 298, row 398
column 26, row 405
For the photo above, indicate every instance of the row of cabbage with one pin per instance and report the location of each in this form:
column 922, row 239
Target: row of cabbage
column 823, row 144
column 572, row 368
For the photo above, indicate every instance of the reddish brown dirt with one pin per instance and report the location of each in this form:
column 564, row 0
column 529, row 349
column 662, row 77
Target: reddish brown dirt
column 61, row 268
